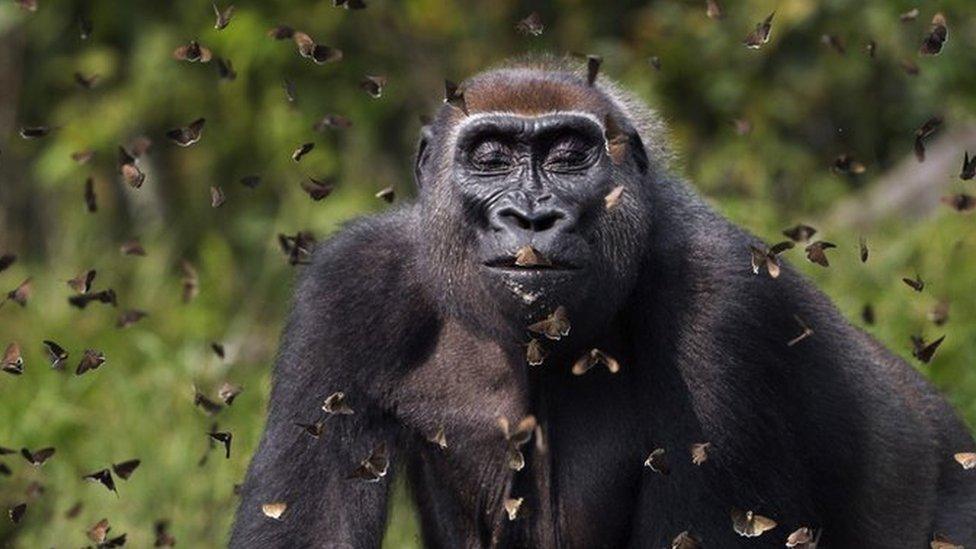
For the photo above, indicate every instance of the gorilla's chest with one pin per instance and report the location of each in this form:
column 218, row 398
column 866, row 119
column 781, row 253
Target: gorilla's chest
column 581, row 477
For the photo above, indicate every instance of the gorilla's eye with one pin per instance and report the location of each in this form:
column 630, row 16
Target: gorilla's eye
column 570, row 153
column 491, row 156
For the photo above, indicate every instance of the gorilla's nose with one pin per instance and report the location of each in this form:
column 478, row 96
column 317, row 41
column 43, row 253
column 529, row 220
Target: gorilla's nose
column 527, row 223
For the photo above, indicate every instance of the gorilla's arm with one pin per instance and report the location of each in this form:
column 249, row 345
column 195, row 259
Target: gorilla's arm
column 353, row 328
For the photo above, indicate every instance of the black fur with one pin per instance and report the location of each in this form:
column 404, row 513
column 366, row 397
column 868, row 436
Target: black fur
column 834, row 433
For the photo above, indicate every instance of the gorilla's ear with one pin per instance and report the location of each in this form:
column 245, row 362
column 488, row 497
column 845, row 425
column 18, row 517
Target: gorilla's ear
column 421, row 166
column 638, row 152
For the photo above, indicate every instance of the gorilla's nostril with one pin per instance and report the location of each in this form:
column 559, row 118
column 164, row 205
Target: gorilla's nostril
column 537, row 221
column 547, row 221
column 512, row 217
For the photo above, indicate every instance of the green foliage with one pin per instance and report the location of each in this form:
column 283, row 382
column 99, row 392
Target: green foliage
column 806, row 103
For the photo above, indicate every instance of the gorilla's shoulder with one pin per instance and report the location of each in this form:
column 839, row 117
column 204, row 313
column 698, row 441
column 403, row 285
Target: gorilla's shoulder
column 363, row 281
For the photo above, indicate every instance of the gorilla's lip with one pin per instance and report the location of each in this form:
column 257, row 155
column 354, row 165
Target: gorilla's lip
column 507, row 263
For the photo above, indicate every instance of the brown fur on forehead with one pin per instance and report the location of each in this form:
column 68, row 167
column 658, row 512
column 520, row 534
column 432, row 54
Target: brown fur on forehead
column 531, row 92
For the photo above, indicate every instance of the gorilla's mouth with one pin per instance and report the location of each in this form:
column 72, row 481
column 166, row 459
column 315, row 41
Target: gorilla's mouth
column 508, row 264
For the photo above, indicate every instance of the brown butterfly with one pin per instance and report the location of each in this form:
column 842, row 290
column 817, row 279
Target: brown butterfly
column 298, row 248
column 713, row 10
column 925, row 351
column 961, row 202
column 34, row 132
column 163, row 537
column 966, row 459
column 867, row 314
column 228, row 391
column 936, row 38
column 189, row 280
column 313, row 430
column 56, row 354
column 593, row 63
column 225, row 69
column 454, row 96
column 940, row 541
column 531, row 25
column 612, row 199
column 85, row 26
column 968, row 168
column 806, row 332
column 742, row 126
column 91, row 201
column 871, row 47
column 251, row 181
column 527, row 256
column 374, row 466
column 939, row 313
column 130, row 171
column 846, row 163
column 207, row 405
column 223, row 16
column 803, row 538
column 699, row 452
column 217, row 196
column 916, row 284
column 103, row 477
column 554, row 326
column 909, row 15
column 616, row 141
column 594, row 357
column 817, row 252
column 301, row 151
column 686, row 540
column 535, row 354
column 189, row 134
column 39, row 457
column 27, row 5
column 923, row 132
column 74, row 511
column 657, row 462
column 132, row 247
column 516, row 438
column 99, row 531
column 335, row 404
column 318, row 53
column 336, row 121
column 749, row 524
column 16, row 513
column 104, row 296
column 655, row 62
column 768, row 257
column 910, row 67
column 757, row 38
column 223, row 437
column 274, row 510
column 83, row 282
column 350, row 4
column 91, row 360
column 863, row 244
column 218, row 349
column 318, row 189
column 834, row 42
column 512, row 506
column 6, row 260
column 373, row 85
column 800, row 233
column 87, row 82
column 193, row 52
column 281, row 32
column 125, row 469
column 439, row 438
column 387, row 194
column 20, row 294
column 13, row 362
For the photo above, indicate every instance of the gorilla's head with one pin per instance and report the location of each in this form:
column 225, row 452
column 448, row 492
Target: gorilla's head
column 531, row 163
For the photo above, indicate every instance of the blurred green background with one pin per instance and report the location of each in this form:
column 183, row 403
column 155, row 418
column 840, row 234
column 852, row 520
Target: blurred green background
column 806, row 104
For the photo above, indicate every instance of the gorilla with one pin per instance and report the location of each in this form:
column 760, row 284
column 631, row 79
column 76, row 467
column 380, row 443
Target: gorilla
column 541, row 339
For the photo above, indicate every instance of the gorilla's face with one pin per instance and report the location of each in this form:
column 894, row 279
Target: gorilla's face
column 536, row 182
column 507, row 181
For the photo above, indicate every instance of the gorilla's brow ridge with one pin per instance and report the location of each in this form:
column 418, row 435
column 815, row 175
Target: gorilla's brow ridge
column 475, row 117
